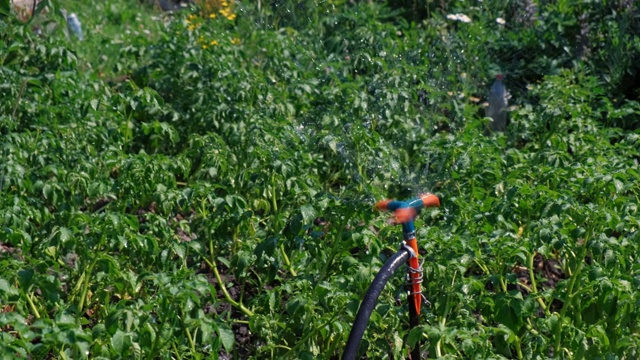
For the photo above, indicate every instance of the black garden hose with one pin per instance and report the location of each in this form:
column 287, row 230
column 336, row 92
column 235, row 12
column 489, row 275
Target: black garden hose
column 369, row 302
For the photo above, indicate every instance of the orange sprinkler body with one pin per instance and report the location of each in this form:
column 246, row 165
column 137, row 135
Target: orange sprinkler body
column 415, row 276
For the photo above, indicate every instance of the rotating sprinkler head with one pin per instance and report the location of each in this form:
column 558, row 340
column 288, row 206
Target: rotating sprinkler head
column 406, row 211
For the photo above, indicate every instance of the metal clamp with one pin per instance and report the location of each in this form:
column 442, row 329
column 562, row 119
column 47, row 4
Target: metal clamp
column 417, row 280
column 409, row 250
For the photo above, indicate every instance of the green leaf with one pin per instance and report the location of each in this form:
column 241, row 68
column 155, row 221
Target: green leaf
column 179, row 250
column 119, row 341
column 223, row 260
column 98, row 330
column 468, row 347
column 397, row 346
column 151, row 333
column 618, row 184
column 226, row 336
column 65, row 235
column 272, row 302
column 46, row 191
column 25, row 277
column 6, row 288
column 5, row 7
column 308, row 213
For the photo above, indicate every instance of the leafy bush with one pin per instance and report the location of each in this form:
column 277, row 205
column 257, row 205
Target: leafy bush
column 205, row 190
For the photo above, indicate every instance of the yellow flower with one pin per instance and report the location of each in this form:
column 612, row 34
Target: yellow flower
column 231, row 17
column 235, row 41
column 212, row 16
column 204, row 46
column 213, row 43
column 191, row 27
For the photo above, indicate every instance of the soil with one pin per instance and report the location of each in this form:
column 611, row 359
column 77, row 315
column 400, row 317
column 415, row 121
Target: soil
column 8, row 249
column 547, row 271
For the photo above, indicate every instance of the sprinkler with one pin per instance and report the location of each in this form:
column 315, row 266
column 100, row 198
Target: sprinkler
column 404, row 212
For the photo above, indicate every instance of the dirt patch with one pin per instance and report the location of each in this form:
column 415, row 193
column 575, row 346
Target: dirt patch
column 548, row 273
column 548, row 270
column 8, row 250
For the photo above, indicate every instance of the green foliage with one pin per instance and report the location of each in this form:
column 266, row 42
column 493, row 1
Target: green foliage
column 204, row 189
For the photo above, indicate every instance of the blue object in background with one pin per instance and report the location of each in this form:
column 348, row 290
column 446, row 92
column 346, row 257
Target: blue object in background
column 74, row 25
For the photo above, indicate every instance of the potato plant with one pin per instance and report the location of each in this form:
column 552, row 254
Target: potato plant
column 199, row 184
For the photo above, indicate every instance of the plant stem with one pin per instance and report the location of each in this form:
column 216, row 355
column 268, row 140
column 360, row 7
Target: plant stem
column 287, row 262
column 503, row 284
column 214, row 268
column 15, row 107
column 518, row 347
column 334, row 252
column 36, row 313
column 443, row 321
column 274, row 199
column 282, row 347
column 530, row 328
column 77, row 288
column 534, row 287
column 570, row 296
column 63, row 355
column 482, row 266
column 532, row 276
column 311, row 333
column 85, row 289
column 193, row 346
column 175, row 350
column 439, row 343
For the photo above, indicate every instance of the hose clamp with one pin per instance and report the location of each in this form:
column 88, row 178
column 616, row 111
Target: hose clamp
column 409, row 249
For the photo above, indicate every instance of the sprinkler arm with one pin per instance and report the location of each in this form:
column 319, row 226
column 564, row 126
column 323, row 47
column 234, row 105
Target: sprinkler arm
column 406, row 211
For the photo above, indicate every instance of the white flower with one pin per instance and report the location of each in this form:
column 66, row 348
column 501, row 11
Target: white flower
column 464, row 18
column 500, row 21
column 459, row 17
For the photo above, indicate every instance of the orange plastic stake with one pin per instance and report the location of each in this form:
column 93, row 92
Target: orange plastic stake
column 415, row 276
